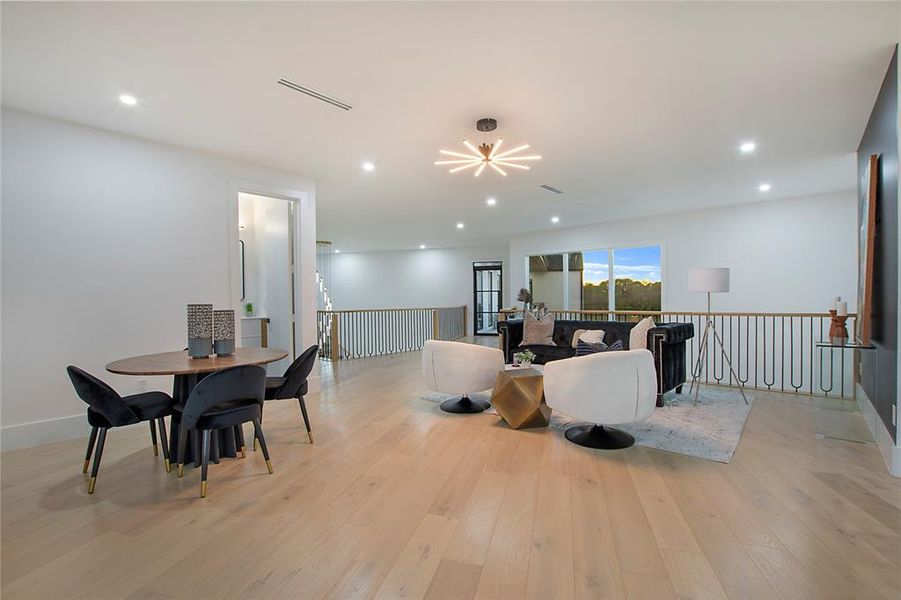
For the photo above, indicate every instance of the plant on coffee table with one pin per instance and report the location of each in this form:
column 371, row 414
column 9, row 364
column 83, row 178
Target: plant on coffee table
column 524, row 358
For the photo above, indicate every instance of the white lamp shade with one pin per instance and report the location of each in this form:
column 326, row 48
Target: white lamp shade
column 714, row 279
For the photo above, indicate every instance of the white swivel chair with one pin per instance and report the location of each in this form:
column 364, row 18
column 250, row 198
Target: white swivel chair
column 608, row 388
column 458, row 368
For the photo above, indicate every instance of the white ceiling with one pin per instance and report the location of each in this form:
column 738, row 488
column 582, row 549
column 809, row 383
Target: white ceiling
column 637, row 108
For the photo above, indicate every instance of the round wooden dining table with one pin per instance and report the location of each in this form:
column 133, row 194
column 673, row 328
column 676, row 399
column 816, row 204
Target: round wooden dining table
column 187, row 372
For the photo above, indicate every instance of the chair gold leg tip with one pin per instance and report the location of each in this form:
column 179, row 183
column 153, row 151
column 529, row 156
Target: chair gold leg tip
column 255, row 444
column 203, row 489
column 91, row 484
column 84, row 468
column 243, row 452
column 181, row 469
column 269, row 466
column 156, row 450
column 168, row 465
column 310, row 435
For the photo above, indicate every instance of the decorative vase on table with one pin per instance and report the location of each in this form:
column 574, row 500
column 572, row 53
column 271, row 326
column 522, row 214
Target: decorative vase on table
column 200, row 330
column 224, row 332
column 838, row 331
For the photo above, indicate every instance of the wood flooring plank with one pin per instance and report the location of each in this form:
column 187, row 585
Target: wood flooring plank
column 550, row 567
column 454, row 581
column 636, row 546
column 419, row 560
column 641, row 586
column 596, row 572
column 729, row 559
column 477, row 525
column 506, row 568
column 664, row 517
column 692, row 576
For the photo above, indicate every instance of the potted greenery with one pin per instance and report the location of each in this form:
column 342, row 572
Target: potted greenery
column 524, row 358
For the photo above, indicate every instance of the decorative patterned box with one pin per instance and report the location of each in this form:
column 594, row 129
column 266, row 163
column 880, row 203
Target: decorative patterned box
column 200, row 330
column 224, row 332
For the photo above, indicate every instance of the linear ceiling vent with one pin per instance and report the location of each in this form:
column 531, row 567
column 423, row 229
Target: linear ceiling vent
column 299, row 88
column 551, row 189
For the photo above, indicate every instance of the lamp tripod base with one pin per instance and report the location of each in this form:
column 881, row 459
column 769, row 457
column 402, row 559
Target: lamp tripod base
column 710, row 331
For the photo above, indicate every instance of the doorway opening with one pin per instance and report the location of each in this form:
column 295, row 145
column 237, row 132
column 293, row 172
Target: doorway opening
column 487, row 294
column 266, row 249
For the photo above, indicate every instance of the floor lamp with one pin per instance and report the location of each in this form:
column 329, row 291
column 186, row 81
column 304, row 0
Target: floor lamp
column 709, row 281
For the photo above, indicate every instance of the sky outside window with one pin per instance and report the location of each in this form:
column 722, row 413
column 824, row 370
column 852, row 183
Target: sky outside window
column 595, row 267
column 640, row 264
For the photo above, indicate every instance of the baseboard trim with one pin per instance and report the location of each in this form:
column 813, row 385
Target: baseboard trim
column 35, row 433
column 891, row 453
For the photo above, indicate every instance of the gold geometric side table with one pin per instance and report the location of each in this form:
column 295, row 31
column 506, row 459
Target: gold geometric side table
column 518, row 397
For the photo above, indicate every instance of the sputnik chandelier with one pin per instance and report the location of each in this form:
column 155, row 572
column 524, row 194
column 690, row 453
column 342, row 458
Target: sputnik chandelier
column 486, row 154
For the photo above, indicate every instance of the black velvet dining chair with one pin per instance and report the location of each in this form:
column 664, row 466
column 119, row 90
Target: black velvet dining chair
column 107, row 409
column 293, row 384
column 226, row 398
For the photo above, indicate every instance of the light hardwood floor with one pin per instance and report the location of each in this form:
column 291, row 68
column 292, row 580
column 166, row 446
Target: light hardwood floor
column 397, row 499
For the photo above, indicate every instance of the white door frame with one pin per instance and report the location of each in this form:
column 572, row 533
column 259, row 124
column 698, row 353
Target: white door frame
column 304, row 259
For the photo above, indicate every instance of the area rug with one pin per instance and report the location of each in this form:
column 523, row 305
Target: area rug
column 711, row 430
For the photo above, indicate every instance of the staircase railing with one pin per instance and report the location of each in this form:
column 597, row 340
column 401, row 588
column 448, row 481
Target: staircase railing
column 769, row 351
column 345, row 334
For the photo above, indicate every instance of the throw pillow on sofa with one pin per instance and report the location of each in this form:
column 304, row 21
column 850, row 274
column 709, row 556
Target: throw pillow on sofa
column 585, row 348
column 638, row 337
column 592, row 336
column 535, row 332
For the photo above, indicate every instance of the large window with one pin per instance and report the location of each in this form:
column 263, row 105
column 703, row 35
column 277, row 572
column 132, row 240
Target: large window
column 583, row 280
column 637, row 275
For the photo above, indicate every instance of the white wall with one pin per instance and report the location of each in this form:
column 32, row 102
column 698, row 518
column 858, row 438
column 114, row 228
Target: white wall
column 105, row 238
column 790, row 255
column 411, row 279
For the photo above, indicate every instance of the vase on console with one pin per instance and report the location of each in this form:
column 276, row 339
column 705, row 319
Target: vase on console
column 839, row 314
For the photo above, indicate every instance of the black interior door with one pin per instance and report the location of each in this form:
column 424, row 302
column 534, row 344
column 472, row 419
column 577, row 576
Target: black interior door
column 487, row 294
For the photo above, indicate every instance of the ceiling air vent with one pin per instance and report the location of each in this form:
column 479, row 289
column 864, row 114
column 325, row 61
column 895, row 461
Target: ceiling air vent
column 299, row 88
column 551, row 189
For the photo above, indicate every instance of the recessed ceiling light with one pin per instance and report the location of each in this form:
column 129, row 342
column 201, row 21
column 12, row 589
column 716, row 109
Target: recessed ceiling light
column 491, row 201
column 747, row 147
column 555, row 219
column 422, row 246
column 764, row 187
column 337, row 251
column 460, row 226
column 128, row 99
column 368, row 167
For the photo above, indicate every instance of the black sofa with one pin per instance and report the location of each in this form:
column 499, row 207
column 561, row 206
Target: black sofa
column 666, row 342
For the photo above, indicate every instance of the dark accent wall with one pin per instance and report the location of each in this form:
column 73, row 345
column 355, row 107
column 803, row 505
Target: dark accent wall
column 881, row 137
